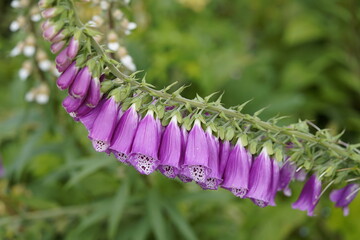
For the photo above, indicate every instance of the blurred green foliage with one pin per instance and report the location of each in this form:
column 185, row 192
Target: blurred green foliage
column 300, row 58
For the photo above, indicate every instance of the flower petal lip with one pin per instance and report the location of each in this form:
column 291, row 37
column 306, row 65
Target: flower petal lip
column 170, row 150
column 71, row 104
column 309, row 196
column 287, row 174
column 144, row 156
column 88, row 118
column 103, row 127
column 124, row 134
column 196, row 161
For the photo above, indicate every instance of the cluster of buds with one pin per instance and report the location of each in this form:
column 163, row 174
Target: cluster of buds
column 144, row 131
column 117, row 27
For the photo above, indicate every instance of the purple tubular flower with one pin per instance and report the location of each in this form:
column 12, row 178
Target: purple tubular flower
column 80, row 86
column 274, row 181
column 57, row 46
column 214, row 178
column 196, row 161
column 124, row 135
column 287, row 173
column 67, row 77
column 300, row 175
column 94, row 94
column 344, row 196
column 144, row 156
column 225, row 149
column 104, row 125
column 71, row 104
column 73, row 48
column 309, row 196
column 170, row 150
column 87, row 118
column 183, row 175
column 236, row 174
column 260, row 180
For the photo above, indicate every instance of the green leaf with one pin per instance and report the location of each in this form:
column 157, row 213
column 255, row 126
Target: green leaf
column 92, row 165
column 117, row 209
column 155, row 215
column 181, row 224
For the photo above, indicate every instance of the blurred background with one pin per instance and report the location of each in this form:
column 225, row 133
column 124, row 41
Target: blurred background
column 298, row 58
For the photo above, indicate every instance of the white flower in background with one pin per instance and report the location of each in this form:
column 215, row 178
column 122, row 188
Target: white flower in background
column 104, row 5
column 128, row 63
column 113, row 43
column 29, row 51
column 126, row 59
column 128, row 26
column 14, row 26
column 54, row 71
column 17, row 49
column 131, row 26
column 42, row 94
column 98, row 20
column 36, row 17
column 127, row 2
column 91, row 23
column 30, row 96
column 25, row 70
column 15, row 4
column 45, row 65
column 29, row 48
column 118, row 14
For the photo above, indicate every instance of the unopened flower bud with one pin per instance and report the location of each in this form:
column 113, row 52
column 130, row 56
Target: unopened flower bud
column 104, row 5
column 29, row 48
column 52, row 12
column 35, row 14
column 45, row 4
column 15, row 4
column 42, row 94
column 17, row 49
column 113, row 43
column 118, row 14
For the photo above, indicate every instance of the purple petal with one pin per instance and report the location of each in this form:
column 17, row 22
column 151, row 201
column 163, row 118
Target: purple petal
column 274, row 181
column 309, row 196
column 260, row 180
column 67, row 77
column 80, row 86
column 170, row 150
column 124, row 134
column 104, row 125
column 236, row 174
column 73, row 48
column 196, row 155
column 144, row 156
column 94, row 94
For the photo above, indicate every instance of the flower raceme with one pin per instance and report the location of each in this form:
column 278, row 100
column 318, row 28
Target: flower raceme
column 140, row 140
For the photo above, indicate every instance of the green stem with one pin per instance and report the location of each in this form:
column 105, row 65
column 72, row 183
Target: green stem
column 219, row 109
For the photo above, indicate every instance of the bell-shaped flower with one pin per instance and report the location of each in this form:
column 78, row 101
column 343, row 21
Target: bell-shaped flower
column 183, row 175
column 214, row 178
column 196, row 162
column 237, row 171
column 275, row 177
column 94, row 94
column 309, row 196
column 170, row 150
column 144, row 156
column 260, row 180
column 104, row 125
column 344, row 196
column 124, row 135
column 73, row 48
column 225, row 149
column 80, row 86
column 287, row 174
column 67, row 77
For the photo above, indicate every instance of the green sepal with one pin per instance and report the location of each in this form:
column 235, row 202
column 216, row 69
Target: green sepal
column 106, row 86
column 229, row 134
column 252, row 147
